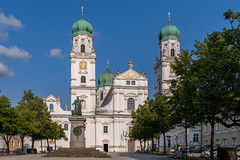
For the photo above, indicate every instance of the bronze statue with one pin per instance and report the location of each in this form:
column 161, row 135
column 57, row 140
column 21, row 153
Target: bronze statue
column 78, row 107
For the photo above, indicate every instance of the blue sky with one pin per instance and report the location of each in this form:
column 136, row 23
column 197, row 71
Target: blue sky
column 35, row 38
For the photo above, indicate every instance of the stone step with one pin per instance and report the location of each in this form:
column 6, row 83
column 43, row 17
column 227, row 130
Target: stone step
column 77, row 152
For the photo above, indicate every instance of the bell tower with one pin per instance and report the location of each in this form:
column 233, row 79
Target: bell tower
column 82, row 62
column 169, row 48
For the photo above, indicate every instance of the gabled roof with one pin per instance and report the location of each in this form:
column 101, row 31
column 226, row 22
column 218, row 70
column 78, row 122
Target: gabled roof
column 130, row 74
column 51, row 98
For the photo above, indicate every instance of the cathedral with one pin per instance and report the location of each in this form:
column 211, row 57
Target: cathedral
column 107, row 107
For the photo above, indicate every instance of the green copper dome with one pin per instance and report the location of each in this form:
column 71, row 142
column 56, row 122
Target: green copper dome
column 106, row 78
column 169, row 31
column 82, row 26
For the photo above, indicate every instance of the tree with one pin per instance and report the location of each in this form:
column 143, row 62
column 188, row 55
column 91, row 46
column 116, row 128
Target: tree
column 38, row 115
column 8, row 120
column 24, row 123
column 144, row 123
column 230, row 115
column 162, row 109
column 183, row 93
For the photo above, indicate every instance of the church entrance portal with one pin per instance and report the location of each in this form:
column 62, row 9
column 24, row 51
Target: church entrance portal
column 105, row 147
column 131, row 146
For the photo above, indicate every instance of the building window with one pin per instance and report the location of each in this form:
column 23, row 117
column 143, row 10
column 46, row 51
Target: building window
column 217, row 127
column 172, row 52
column 234, row 141
column 51, row 107
column 195, row 137
column 82, row 48
column 12, row 143
column 65, row 126
column 127, row 82
column 105, row 129
column 130, row 104
column 206, row 142
column 83, row 79
column 159, row 86
column 224, row 142
column 133, row 82
column 206, row 128
column 19, row 144
column 217, row 142
column 101, row 96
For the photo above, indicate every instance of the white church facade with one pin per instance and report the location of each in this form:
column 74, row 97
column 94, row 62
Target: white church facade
column 106, row 107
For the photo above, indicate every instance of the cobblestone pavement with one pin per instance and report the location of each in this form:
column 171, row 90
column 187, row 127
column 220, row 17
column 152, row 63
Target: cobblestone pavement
column 115, row 156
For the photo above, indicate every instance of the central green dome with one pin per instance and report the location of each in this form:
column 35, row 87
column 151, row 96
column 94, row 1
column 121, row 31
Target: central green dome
column 169, row 31
column 106, row 78
column 82, row 26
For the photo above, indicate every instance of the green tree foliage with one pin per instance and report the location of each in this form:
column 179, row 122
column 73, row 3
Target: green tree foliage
column 213, row 78
column 183, row 93
column 162, row 109
column 36, row 113
column 143, row 122
column 8, row 120
column 151, row 119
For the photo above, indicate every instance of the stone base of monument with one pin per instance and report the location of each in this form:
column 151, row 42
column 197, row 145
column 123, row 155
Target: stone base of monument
column 77, row 152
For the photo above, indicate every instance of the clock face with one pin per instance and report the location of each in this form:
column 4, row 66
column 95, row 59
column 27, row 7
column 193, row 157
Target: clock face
column 83, row 65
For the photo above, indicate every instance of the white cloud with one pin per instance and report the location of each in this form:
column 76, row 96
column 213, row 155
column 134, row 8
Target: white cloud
column 55, row 53
column 4, row 72
column 14, row 52
column 3, row 36
column 10, row 21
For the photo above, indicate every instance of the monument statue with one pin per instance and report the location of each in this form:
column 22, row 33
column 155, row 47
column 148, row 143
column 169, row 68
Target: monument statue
column 77, row 107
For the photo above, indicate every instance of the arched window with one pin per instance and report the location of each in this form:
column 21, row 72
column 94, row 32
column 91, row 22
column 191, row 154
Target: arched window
column 130, row 104
column 82, row 48
column 51, row 107
column 172, row 52
column 83, row 79
column 65, row 126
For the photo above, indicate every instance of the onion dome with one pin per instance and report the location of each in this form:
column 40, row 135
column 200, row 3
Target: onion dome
column 82, row 26
column 169, row 31
column 106, row 78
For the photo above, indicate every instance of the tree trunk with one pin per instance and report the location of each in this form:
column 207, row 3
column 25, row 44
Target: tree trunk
column 164, row 143
column 212, row 139
column 158, row 143
column 140, row 144
column 152, row 143
column 48, row 145
column 7, row 139
column 55, row 141
column 33, row 143
column 186, row 139
column 144, row 145
column 22, row 140
column 41, row 146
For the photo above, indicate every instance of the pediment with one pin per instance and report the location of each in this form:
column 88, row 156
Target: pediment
column 83, row 96
column 130, row 74
column 83, row 72
column 130, row 95
column 51, row 98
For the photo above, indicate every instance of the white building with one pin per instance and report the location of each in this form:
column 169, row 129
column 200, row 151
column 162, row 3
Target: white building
column 1, row 142
column 107, row 108
column 169, row 48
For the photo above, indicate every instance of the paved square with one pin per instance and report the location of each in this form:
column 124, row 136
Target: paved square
column 115, row 156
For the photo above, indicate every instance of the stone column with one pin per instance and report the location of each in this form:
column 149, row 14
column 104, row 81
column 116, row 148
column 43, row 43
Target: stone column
column 77, row 139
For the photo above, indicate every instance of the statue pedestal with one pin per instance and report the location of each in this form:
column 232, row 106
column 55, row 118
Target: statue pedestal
column 77, row 139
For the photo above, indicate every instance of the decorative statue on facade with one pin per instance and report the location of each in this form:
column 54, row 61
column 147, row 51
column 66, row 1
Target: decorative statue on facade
column 77, row 110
